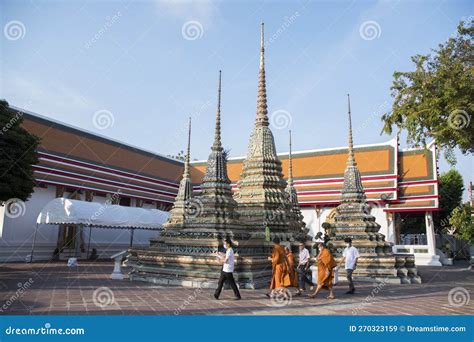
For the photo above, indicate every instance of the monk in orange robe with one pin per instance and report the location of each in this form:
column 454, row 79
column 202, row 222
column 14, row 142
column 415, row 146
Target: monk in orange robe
column 291, row 268
column 280, row 277
column 326, row 265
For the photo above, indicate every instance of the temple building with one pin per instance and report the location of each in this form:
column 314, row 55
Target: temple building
column 263, row 190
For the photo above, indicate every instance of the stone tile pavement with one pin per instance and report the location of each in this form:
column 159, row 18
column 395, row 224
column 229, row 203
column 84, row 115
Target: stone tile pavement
column 55, row 289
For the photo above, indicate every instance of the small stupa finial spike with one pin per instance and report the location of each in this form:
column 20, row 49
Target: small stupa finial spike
column 262, row 118
column 290, row 164
column 217, row 134
column 351, row 161
column 188, row 151
column 262, row 45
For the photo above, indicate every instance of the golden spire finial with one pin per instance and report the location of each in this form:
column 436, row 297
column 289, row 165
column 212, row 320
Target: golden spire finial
column 262, row 119
column 262, row 45
column 217, row 135
column 188, row 152
column 351, row 161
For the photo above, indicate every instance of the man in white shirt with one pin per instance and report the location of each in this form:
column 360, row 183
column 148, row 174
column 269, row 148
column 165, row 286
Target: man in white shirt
column 227, row 270
column 303, row 267
column 350, row 256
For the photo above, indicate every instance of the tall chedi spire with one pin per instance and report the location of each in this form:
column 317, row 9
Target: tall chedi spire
column 295, row 217
column 352, row 189
column 262, row 201
column 185, row 192
column 354, row 220
column 215, row 203
column 262, row 118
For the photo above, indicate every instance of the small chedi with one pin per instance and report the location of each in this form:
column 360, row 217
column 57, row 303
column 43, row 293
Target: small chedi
column 353, row 219
column 297, row 225
column 184, row 253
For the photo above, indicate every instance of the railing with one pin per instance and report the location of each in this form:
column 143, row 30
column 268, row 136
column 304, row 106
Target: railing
column 413, row 239
column 410, row 249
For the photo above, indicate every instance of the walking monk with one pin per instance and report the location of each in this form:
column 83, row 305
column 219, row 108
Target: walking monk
column 291, row 268
column 279, row 270
column 326, row 265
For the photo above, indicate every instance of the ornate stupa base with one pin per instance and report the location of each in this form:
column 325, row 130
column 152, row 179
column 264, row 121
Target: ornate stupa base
column 192, row 263
column 390, row 270
column 376, row 263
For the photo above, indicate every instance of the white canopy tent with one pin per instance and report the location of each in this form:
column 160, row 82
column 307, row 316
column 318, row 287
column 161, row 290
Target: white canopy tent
column 90, row 214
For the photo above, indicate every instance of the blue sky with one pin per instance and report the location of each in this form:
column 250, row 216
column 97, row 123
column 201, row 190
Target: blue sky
column 150, row 65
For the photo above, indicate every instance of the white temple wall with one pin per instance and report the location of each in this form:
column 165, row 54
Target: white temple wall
column 16, row 234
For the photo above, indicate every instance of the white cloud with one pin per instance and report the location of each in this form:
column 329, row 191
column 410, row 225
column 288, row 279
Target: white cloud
column 51, row 98
column 202, row 10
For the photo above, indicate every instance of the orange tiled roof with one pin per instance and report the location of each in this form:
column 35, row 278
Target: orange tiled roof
column 402, row 180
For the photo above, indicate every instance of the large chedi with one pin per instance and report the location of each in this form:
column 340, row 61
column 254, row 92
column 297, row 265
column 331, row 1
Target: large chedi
column 184, row 253
column 261, row 197
column 353, row 219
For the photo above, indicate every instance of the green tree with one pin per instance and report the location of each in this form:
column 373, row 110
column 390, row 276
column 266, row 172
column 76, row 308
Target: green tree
column 451, row 187
column 17, row 156
column 461, row 221
column 435, row 100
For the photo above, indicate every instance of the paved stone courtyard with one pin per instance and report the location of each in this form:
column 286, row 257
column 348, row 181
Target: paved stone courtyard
column 55, row 289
